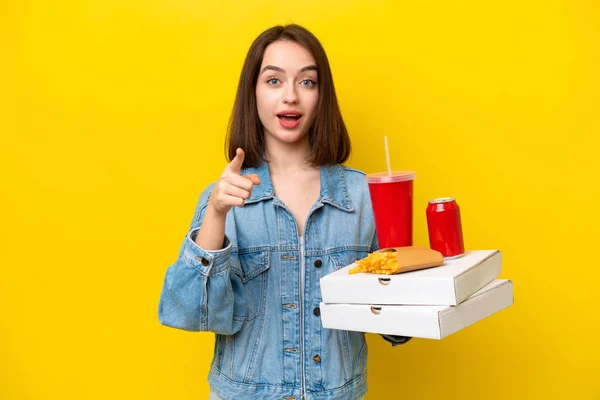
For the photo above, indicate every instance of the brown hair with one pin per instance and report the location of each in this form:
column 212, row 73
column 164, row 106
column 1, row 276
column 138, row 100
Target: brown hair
column 327, row 134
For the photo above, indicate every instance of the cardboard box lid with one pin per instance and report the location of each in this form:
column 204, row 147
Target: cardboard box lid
column 432, row 322
column 448, row 284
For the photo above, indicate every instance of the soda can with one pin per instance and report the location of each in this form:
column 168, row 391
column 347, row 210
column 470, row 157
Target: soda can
column 444, row 226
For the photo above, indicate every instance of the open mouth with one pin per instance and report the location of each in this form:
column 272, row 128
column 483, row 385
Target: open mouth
column 289, row 118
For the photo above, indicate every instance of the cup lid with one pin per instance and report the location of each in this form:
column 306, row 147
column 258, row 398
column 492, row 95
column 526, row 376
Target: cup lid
column 397, row 176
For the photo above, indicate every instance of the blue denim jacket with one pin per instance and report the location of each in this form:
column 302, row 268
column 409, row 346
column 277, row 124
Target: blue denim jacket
column 260, row 294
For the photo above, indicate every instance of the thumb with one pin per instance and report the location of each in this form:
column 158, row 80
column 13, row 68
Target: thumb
column 253, row 178
column 236, row 164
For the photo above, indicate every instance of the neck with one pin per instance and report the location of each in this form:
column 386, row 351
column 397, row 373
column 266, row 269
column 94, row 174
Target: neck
column 288, row 157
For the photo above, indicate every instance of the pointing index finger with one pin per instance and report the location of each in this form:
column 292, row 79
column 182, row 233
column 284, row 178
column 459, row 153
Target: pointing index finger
column 236, row 164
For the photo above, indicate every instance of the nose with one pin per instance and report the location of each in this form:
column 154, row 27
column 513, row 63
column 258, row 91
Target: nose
column 290, row 96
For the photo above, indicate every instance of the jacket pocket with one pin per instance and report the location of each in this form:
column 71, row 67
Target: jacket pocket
column 253, row 274
column 344, row 258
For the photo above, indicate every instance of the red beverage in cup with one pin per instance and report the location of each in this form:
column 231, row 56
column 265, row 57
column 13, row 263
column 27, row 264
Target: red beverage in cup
column 392, row 201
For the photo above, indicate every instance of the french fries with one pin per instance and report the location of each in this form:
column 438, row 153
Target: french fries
column 377, row 263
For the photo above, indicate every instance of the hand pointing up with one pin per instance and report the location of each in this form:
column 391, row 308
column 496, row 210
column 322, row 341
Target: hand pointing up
column 232, row 189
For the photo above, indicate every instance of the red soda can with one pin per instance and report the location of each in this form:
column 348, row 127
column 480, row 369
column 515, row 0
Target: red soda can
column 444, row 226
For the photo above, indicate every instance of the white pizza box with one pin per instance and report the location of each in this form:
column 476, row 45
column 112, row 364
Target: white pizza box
column 430, row 322
column 448, row 284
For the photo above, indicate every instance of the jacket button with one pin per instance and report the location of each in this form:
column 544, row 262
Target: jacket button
column 318, row 263
column 203, row 260
column 317, row 311
column 317, row 358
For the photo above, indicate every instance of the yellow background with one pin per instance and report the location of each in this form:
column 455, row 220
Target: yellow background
column 112, row 119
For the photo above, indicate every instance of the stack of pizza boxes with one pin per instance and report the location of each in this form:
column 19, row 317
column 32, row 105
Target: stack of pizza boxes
column 422, row 299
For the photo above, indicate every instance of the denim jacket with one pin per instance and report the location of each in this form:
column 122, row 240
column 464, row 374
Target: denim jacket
column 260, row 294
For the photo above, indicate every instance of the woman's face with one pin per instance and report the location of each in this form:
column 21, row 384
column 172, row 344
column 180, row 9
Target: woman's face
column 286, row 92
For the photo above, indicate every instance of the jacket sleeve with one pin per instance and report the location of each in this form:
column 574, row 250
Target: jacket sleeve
column 393, row 339
column 200, row 290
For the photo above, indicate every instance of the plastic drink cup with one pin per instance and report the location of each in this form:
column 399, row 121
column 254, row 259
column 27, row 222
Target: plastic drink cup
column 392, row 202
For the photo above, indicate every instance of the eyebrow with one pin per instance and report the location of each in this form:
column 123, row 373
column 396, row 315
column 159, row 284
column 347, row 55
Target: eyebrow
column 274, row 68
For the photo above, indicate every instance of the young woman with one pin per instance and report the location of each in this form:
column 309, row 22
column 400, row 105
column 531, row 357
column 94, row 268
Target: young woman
column 283, row 214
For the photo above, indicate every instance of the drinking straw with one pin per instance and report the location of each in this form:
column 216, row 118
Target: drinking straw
column 387, row 156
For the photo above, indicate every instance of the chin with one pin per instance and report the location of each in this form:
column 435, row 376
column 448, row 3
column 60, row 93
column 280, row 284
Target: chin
column 289, row 135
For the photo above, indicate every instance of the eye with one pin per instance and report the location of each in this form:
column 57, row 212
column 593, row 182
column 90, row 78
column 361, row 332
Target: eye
column 308, row 82
column 273, row 81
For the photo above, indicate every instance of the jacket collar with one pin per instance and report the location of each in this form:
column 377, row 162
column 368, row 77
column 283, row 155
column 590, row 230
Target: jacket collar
column 334, row 189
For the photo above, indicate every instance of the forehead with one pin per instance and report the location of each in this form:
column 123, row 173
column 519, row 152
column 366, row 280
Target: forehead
column 287, row 55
